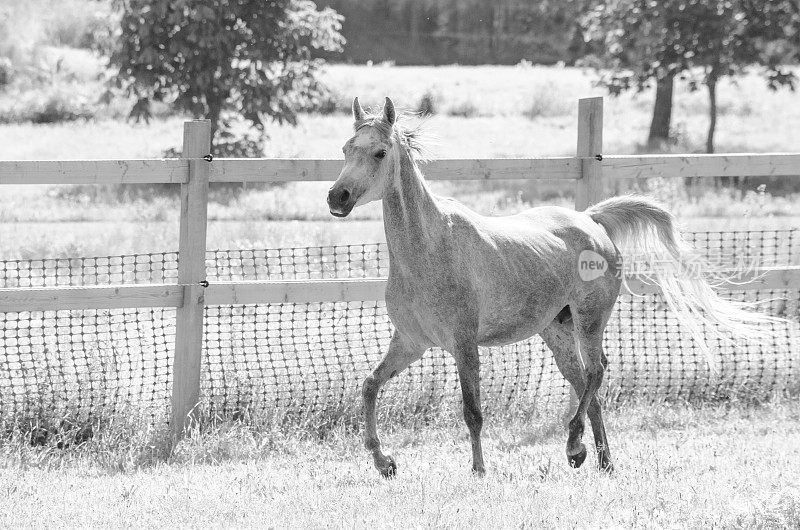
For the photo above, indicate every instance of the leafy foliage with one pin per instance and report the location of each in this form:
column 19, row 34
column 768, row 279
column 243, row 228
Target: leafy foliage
column 647, row 39
column 224, row 58
column 700, row 40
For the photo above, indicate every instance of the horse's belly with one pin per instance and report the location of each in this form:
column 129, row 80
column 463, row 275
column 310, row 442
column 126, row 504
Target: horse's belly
column 519, row 294
column 507, row 332
column 515, row 319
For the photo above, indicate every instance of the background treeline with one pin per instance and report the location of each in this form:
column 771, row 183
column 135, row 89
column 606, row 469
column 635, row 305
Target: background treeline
column 424, row 32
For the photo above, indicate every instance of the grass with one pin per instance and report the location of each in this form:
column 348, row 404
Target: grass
column 677, row 465
column 548, row 95
column 36, row 240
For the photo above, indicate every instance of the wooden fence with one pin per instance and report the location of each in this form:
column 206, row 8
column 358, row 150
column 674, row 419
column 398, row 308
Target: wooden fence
column 591, row 170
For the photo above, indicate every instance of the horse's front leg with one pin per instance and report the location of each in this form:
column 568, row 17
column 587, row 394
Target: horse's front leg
column 469, row 373
column 402, row 352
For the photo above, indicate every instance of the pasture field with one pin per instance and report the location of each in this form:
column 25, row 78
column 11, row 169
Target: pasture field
column 535, row 113
column 709, row 466
column 480, row 111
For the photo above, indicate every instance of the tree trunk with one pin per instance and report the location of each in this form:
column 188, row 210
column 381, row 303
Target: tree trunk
column 712, row 111
column 415, row 21
column 214, row 112
column 662, row 112
column 711, row 83
column 493, row 36
column 577, row 46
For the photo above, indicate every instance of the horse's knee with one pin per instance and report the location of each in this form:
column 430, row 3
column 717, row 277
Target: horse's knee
column 473, row 417
column 472, row 409
column 594, row 405
column 370, row 387
column 596, row 368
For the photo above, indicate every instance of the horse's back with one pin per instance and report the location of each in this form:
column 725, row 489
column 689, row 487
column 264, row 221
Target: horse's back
column 574, row 227
column 547, row 231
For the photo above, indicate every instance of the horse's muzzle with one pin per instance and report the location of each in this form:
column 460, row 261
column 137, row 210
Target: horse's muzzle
column 340, row 202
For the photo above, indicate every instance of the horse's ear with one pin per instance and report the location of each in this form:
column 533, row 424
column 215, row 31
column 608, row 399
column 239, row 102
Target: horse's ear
column 389, row 115
column 358, row 112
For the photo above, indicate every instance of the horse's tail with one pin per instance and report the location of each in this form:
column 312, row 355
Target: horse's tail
column 646, row 232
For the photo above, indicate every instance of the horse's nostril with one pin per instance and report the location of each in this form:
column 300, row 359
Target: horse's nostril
column 344, row 196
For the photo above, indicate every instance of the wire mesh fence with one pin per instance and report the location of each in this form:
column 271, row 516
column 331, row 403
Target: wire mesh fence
column 312, row 358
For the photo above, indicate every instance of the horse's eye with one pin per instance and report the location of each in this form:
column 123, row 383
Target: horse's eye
column 380, row 154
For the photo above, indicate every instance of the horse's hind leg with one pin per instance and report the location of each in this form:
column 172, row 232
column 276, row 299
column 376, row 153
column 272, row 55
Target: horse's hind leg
column 599, row 430
column 589, row 327
column 559, row 337
column 402, row 352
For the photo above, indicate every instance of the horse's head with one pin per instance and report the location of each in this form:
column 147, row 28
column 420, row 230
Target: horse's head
column 370, row 157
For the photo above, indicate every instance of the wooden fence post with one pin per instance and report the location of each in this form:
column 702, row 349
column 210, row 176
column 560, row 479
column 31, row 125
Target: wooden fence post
column 191, row 272
column 590, row 188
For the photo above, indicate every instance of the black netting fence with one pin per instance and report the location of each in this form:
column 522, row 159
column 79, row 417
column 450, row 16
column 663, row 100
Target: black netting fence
column 311, row 358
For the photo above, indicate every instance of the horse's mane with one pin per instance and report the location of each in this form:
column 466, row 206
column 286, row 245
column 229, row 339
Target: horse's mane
column 412, row 135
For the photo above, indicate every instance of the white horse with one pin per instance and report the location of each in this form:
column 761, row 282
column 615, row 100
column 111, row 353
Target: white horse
column 459, row 280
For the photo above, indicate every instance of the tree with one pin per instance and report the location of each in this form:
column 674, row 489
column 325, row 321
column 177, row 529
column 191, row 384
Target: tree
column 700, row 40
column 661, row 124
column 222, row 58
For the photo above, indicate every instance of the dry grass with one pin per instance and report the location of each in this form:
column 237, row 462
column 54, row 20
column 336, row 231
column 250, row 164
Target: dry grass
column 677, row 466
column 748, row 120
column 500, row 96
column 37, row 240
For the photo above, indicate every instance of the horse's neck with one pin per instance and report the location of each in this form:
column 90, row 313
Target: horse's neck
column 411, row 216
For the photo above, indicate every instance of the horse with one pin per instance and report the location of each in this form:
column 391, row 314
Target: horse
column 459, row 280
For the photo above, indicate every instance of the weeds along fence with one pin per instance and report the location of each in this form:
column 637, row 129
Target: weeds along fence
column 258, row 332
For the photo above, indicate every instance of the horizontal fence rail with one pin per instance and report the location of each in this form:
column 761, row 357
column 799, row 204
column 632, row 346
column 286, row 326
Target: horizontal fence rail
column 681, row 166
column 300, row 291
column 296, row 291
column 95, row 297
column 165, row 171
column 175, row 171
column 286, row 170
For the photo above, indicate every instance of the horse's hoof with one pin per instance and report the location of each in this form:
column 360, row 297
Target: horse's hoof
column 389, row 468
column 479, row 472
column 577, row 459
